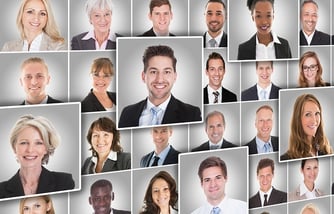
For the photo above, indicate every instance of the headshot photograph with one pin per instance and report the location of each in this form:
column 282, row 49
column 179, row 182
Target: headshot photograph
column 305, row 128
column 96, row 24
column 103, row 193
column 93, row 80
column 50, row 35
column 269, row 30
column 158, row 72
column 221, row 127
column 312, row 70
column 160, row 18
column 149, row 183
column 225, row 169
column 104, row 148
column 316, row 206
column 47, row 73
column 277, row 209
column 43, row 150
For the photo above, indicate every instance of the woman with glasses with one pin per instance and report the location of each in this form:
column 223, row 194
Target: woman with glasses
column 310, row 71
column 99, row 99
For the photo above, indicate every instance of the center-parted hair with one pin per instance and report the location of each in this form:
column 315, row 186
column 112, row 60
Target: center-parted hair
column 209, row 162
column 159, row 50
column 310, row 207
column 265, row 162
column 47, row 200
column 251, row 3
column 214, row 55
column 303, row 162
column 318, row 78
column 159, row 3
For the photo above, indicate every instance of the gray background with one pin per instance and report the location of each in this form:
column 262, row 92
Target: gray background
column 286, row 102
column 178, row 25
column 9, row 12
column 188, row 52
column 121, row 182
column 120, row 23
column 322, row 203
column 231, row 112
column 189, row 183
column 242, row 28
column 12, row 91
column 143, row 142
column 66, row 120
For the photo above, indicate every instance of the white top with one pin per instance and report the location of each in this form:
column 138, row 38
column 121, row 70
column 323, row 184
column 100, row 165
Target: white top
column 227, row 206
column 35, row 44
column 308, row 38
column 208, row 38
column 308, row 194
column 91, row 35
column 266, row 52
column 259, row 89
column 146, row 116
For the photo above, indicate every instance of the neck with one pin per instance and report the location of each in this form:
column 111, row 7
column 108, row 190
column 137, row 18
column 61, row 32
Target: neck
column 101, row 36
column 263, row 85
column 216, row 201
column 35, row 100
column 309, row 185
column 161, row 33
column 264, row 139
column 215, row 87
column 214, row 34
column 101, row 157
column 311, row 83
column 265, row 38
column 29, row 179
column 308, row 33
column 158, row 150
column 158, row 101
column 164, row 210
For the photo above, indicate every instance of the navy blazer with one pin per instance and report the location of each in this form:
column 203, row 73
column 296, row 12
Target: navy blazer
column 276, row 197
column 247, row 50
column 205, row 146
column 91, row 103
column 150, row 32
column 49, row 100
column 319, row 38
column 78, row 44
column 252, row 147
column 171, row 158
column 176, row 112
column 49, row 181
column 222, row 43
column 251, row 93
column 227, row 96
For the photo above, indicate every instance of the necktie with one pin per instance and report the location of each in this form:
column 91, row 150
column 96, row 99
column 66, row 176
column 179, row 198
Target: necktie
column 266, row 147
column 263, row 94
column 216, row 93
column 155, row 162
column 215, row 210
column 214, row 147
column 212, row 43
column 265, row 203
column 155, row 118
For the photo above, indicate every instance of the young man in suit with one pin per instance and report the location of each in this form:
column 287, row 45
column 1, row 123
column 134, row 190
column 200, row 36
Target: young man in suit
column 263, row 142
column 267, row 194
column 215, row 71
column 309, row 18
column 264, row 89
column 215, row 16
column 160, row 107
column 34, row 78
column 100, row 198
column 163, row 153
column 214, row 128
column 161, row 15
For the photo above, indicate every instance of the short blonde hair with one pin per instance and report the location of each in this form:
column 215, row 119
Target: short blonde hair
column 35, row 60
column 46, row 198
column 311, row 207
column 47, row 131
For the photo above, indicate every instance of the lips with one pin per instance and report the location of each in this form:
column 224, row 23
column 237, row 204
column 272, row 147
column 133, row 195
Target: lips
column 30, row 157
column 34, row 24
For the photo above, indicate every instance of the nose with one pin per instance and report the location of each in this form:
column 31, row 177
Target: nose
column 159, row 76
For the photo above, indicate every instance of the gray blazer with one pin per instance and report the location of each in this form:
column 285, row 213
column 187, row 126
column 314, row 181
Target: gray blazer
column 295, row 194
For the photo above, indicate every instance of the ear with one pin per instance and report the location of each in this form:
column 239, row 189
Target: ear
column 21, row 83
column 48, row 208
column 149, row 15
column 90, row 200
column 48, row 79
column 112, row 196
column 143, row 74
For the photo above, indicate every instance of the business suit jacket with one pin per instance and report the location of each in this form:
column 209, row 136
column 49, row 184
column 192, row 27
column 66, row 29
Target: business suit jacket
column 49, row 181
column 223, row 41
column 276, row 197
column 114, row 211
column 247, row 50
column 47, row 44
column 176, row 112
column 171, row 158
column 295, row 194
column 205, row 146
column 78, row 44
column 332, row 188
column 252, row 147
column 150, row 32
column 251, row 93
column 49, row 100
column 91, row 103
column 319, row 38
column 227, row 96
column 123, row 162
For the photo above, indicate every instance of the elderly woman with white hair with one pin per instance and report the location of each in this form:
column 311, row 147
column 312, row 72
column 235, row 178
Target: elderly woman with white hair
column 100, row 37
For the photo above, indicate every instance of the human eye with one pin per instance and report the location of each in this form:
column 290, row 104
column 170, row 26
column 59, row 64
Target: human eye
column 39, row 142
column 219, row 13
column 25, row 208
column 166, row 189
column 317, row 113
column 307, row 114
column 43, row 13
column 37, row 205
column 153, row 71
column 30, row 11
column 107, row 14
column 23, row 142
column 218, row 177
column 28, row 77
column 209, row 13
column 206, row 180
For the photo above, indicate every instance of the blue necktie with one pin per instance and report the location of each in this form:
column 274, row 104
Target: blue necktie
column 267, row 147
column 216, row 210
column 263, row 94
column 155, row 118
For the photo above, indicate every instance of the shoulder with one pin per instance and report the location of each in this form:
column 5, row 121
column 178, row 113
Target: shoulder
column 283, row 41
column 237, row 205
column 79, row 36
column 49, row 44
column 200, row 210
column 134, row 107
column 249, row 42
column 150, row 32
column 279, row 192
column 112, row 96
column 124, row 156
column 202, row 147
column 52, row 100
column 182, row 105
column 275, row 87
column 14, row 45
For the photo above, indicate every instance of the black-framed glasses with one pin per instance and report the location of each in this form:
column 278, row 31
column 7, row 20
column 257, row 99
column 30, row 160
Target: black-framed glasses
column 312, row 67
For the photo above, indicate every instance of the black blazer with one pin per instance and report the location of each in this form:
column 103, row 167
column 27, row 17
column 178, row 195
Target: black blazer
column 49, row 100
column 114, row 211
column 150, row 32
column 48, row 182
column 223, row 41
column 227, row 96
column 91, row 103
column 171, row 158
column 332, row 188
column 276, row 197
column 205, row 146
column 319, row 38
column 176, row 112
column 252, row 147
column 78, row 44
column 251, row 93
column 247, row 50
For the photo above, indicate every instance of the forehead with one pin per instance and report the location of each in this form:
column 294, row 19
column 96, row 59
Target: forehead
column 263, row 6
column 35, row 4
column 101, row 190
column 310, row 7
column 310, row 60
column 264, row 65
column 164, row 7
column 160, row 61
column 263, row 112
column 212, row 172
column 214, row 7
column 265, row 170
column 160, row 129
column 34, row 66
column 215, row 118
column 218, row 62
column 34, row 200
column 159, row 182
column 310, row 162
column 310, row 105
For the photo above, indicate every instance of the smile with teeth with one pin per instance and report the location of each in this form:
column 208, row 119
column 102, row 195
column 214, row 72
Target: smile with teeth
column 35, row 24
column 265, row 27
column 29, row 157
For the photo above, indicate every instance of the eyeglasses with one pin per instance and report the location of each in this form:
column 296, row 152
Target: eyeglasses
column 310, row 68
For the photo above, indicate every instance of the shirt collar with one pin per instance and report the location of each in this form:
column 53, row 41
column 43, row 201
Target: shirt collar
column 163, row 105
column 44, row 101
column 91, row 35
column 260, row 143
column 163, row 153
column 219, row 143
column 112, row 156
column 268, row 89
column 309, row 38
column 35, row 44
column 275, row 39
column 217, row 38
column 303, row 189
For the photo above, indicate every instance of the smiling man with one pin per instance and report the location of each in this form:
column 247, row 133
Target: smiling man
column 160, row 15
column 160, row 107
column 264, row 89
column 34, row 80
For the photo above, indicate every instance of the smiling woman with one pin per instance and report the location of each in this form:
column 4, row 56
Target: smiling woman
column 41, row 205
